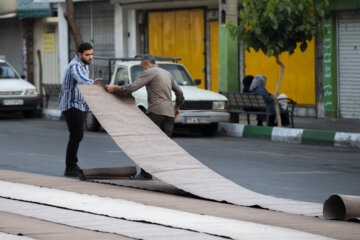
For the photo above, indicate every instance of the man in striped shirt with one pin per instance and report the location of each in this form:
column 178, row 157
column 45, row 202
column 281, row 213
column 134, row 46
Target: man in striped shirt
column 72, row 104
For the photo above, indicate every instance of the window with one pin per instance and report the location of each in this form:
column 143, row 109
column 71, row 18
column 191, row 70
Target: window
column 122, row 74
column 7, row 72
column 177, row 71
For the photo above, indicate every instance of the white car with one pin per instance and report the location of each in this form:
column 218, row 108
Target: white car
column 16, row 94
column 202, row 108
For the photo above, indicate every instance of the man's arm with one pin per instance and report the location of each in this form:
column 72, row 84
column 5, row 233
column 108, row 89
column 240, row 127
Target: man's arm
column 179, row 97
column 80, row 76
column 178, row 93
column 144, row 78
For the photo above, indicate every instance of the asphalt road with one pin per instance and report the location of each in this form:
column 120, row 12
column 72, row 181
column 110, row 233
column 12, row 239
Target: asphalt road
column 302, row 172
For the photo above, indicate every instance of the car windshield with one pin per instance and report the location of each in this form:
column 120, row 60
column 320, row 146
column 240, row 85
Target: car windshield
column 7, row 72
column 177, row 71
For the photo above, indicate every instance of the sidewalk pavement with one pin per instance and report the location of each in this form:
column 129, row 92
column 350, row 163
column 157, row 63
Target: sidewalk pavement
column 337, row 132
column 25, row 220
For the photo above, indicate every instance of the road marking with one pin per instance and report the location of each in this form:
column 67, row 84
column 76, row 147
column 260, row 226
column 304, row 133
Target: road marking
column 113, row 151
column 311, row 172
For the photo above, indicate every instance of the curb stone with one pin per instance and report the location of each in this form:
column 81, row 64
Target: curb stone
column 291, row 135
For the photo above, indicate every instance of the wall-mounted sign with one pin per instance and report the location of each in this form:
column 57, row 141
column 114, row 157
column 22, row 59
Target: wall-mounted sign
column 327, row 67
column 48, row 42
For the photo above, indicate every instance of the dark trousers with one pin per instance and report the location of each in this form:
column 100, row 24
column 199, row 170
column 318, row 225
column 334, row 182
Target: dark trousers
column 165, row 123
column 75, row 122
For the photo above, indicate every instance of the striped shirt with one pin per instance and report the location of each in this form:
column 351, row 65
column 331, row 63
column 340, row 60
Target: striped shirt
column 76, row 72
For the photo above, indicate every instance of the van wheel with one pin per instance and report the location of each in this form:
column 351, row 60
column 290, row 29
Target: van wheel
column 142, row 109
column 91, row 123
column 29, row 113
column 209, row 129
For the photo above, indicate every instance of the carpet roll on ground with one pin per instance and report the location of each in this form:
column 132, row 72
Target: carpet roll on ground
column 107, row 173
column 342, row 207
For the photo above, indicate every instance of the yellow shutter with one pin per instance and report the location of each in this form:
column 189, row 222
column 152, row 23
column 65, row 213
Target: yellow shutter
column 179, row 34
column 298, row 81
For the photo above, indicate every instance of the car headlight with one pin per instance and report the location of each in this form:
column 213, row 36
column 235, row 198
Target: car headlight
column 31, row 92
column 218, row 105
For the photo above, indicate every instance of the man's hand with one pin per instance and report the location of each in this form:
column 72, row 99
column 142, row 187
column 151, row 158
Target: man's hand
column 176, row 111
column 97, row 81
column 112, row 89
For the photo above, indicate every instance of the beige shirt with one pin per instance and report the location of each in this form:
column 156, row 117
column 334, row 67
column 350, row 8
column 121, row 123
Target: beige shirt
column 159, row 84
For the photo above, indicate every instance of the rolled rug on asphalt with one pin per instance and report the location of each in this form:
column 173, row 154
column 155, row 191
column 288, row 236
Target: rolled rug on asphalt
column 107, row 173
column 144, row 143
column 342, row 207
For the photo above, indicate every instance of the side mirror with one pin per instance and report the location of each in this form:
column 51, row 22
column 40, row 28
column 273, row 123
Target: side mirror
column 121, row 83
column 197, row 81
column 22, row 76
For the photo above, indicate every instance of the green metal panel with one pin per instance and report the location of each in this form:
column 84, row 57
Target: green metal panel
column 337, row 5
column 228, row 61
column 330, row 68
column 29, row 9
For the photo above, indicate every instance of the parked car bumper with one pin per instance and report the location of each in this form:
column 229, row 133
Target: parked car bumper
column 19, row 103
column 202, row 117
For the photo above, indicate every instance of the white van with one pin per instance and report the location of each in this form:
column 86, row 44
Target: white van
column 202, row 108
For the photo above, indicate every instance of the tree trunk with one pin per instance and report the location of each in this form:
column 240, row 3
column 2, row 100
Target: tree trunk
column 70, row 18
column 276, row 102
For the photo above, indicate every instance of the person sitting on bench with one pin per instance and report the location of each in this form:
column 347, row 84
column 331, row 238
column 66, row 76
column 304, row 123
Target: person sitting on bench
column 258, row 86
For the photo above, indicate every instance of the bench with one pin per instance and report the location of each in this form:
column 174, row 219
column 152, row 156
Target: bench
column 52, row 90
column 251, row 103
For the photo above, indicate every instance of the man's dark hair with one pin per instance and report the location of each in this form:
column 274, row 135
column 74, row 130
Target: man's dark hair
column 148, row 58
column 84, row 47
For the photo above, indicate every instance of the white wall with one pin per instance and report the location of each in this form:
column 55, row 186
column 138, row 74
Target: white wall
column 125, row 32
column 63, row 40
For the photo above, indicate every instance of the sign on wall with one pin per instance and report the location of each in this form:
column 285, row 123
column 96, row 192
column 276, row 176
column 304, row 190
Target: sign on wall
column 327, row 67
column 48, row 42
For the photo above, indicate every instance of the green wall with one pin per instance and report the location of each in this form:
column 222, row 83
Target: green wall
column 228, row 61
column 330, row 68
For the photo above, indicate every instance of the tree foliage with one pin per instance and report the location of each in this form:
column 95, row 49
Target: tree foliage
column 276, row 26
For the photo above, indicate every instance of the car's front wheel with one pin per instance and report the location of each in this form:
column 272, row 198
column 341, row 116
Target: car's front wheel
column 209, row 129
column 29, row 113
column 91, row 123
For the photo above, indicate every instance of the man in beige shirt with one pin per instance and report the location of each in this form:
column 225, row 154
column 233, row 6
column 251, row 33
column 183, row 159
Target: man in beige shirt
column 159, row 84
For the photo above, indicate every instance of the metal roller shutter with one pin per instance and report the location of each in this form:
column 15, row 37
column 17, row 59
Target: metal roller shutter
column 96, row 23
column 349, row 64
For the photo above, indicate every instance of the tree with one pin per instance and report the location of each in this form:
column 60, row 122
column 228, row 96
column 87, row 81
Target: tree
column 70, row 18
column 277, row 26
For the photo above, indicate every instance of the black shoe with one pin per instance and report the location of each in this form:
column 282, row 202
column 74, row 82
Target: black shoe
column 72, row 171
column 145, row 174
column 140, row 177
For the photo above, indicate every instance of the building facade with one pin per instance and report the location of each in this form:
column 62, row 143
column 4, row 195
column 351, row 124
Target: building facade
column 322, row 80
column 341, row 61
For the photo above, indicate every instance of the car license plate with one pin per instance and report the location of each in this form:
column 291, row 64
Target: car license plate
column 13, row 102
column 196, row 120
